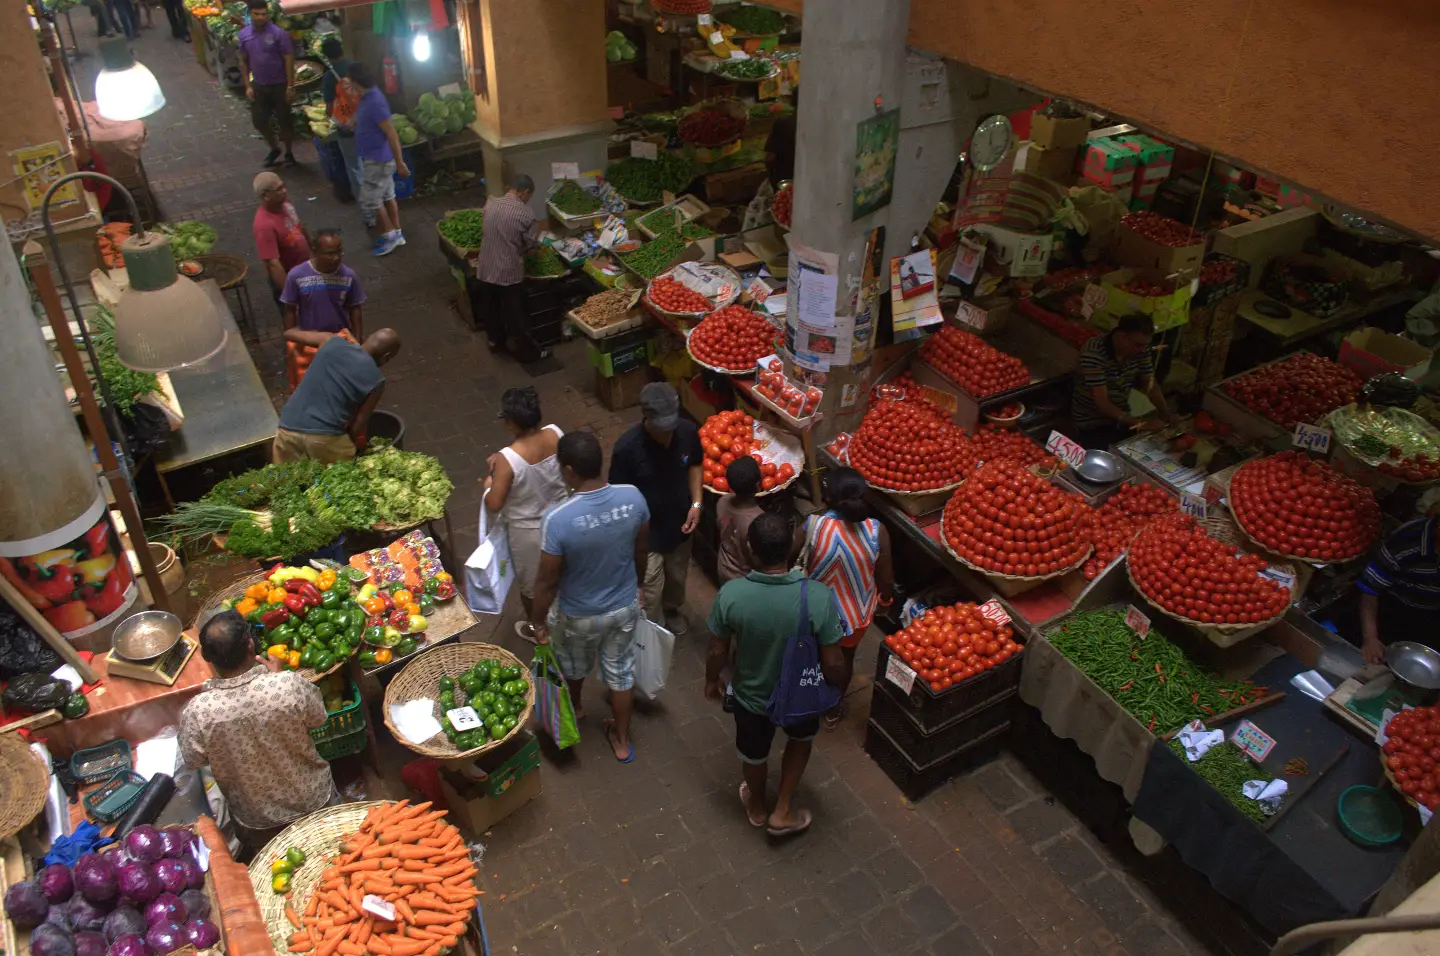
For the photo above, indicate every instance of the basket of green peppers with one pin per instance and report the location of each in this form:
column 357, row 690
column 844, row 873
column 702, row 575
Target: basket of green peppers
column 310, row 631
column 482, row 696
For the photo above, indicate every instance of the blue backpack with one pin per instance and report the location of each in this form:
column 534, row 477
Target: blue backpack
column 801, row 691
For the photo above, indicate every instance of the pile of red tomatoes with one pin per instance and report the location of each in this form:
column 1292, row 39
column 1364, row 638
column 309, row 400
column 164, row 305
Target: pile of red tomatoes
column 1300, row 388
column 1161, row 230
column 774, row 386
column 1115, row 523
column 1145, row 288
column 1006, row 520
column 947, row 645
column 672, row 296
column 728, row 436
column 910, row 446
column 1411, row 753
column 993, row 443
column 1415, row 468
column 1298, row 506
column 783, row 205
column 732, row 338
column 966, row 360
column 1195, row 577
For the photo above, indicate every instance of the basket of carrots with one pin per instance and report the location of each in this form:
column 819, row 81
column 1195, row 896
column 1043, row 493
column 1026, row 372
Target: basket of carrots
column 108, row 240
column 375, row 879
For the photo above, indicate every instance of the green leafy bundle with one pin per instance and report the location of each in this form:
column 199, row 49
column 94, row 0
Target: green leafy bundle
column 189, row 239
column 574, row 200
column 464, row 227
column 125, row 385
column 542, row 263
column 756, row 21
column 646, row 180
column 407, row 487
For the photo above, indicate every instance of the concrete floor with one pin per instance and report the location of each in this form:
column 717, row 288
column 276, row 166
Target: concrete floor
column 655, row 857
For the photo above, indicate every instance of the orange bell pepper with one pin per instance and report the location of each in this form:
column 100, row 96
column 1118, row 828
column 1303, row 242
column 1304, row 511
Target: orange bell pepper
column 292, row 661
column 326, row 581
column 275, row 596
column 402, row 597
column 383, row 655
column 374, row 605
column 258, row 592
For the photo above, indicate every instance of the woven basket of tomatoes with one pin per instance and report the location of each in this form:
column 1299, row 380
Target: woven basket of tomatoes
column 1007, row 523
column 967, row 360
column 731, row 340
column 911, row 447
column 994, row 442
column 1298, row 388
column 1183, row 572
column 1112, row 526
column 947, row 646
column 1408, row 755
column 1296, row 506
column 733, row 434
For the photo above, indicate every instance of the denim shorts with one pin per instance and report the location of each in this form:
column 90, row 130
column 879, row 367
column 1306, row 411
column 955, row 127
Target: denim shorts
column 377, row 184
column 577, row 640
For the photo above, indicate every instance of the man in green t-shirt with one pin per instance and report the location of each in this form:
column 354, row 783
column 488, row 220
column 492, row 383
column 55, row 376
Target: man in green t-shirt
column 759, row 613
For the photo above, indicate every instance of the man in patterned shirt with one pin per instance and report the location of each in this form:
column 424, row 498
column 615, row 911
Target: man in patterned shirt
column 500, row 267
column 1110, row 366
column 252, row 726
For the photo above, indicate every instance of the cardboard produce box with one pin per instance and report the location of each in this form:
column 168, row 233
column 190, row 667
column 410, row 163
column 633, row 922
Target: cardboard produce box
column 1371, row 352
column 1167, row 311
column 1052, row 133
column 1054, row 164
column 1133, row 249
column 1020, row 253
column 494, row 786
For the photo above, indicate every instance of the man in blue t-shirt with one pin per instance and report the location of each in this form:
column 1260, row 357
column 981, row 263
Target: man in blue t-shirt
column 381, row 158
column 327, row 413
column 593, row 548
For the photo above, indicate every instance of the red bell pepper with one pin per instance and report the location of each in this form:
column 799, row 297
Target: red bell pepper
column 97, row 539
column 389, row 601
column 399, row 619
column 310, row 594
column 109, row 598
column 59, row 587
column 296, row 605
column 375, row 620
column 292, row 585
column 275, row 618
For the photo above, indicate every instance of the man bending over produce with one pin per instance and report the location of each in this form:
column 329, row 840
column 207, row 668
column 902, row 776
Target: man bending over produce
column 500, row 267
column 326, row 416
column 251, row 723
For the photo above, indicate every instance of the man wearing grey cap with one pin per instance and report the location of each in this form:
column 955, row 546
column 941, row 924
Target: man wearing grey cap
column 662, row 457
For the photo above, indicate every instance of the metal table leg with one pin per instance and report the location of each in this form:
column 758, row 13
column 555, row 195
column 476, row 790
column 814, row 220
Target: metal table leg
column 242, row 306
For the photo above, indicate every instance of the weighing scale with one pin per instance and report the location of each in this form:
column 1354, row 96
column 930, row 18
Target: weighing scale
column 164, row 669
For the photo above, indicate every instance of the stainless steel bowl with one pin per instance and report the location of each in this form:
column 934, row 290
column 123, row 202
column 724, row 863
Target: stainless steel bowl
column 1100, row 467
column 1415, row 664
column 147, row 635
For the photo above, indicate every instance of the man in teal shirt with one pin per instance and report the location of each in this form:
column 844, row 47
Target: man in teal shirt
column 759, row 613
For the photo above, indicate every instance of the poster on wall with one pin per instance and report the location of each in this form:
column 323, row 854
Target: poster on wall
column 877, row 140
column 80, row 585
column 811, row 333
column 913, row 274
column 39, row 167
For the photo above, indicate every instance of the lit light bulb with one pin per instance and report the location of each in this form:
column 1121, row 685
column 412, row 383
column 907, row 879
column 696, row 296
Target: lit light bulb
column 421, row 47
column 125, row 90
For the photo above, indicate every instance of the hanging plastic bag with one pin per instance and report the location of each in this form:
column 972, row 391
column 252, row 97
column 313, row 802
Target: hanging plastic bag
column 553, row 707
column 489, row 571
column 654, row 648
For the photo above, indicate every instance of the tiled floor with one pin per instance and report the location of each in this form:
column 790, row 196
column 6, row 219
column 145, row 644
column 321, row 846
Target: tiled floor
column 655, row 857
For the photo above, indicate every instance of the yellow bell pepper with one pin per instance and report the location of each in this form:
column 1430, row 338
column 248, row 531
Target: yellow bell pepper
column 275, row 596
column 96, row 570
column 367, row 591
column 327, row 580
column 444, row 576
column 292, row 661
column 278, row 651
column 258, row 592
column 416, row 625
column 280, row 883
column 383, row 655
column 285, row 574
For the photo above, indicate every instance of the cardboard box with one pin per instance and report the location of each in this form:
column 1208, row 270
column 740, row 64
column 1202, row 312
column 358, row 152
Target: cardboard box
column 1370, row 352
column 1105, row 155
column 1111, row 179
column 1133, row 249
column 1019, row 253
column 1150, row 150
column 1167, row 311
column 1052, row 133
column 491, row 788
column 1055, row 164
column 621, row 390
column 1261, row 240
column 1155, row 173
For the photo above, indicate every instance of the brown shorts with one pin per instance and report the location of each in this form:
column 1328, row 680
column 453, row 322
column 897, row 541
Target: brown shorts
column 292, row 446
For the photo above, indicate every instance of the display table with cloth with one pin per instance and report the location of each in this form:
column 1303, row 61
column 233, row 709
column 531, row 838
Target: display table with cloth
column 1304, row 869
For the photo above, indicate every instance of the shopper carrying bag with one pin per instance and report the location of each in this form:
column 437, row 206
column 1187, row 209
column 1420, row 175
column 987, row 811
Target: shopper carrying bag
column 553, row 707
column 489, row 571
column 802, row 690
column 654, row 648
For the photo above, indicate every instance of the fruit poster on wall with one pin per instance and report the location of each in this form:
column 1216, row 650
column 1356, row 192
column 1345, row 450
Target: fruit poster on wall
column 877, row 140
column 79, row 585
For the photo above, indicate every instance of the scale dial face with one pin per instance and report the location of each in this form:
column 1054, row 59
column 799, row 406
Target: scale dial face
column 990, row 143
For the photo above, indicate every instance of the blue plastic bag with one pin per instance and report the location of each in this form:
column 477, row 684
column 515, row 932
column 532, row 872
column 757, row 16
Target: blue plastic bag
column 802, row 690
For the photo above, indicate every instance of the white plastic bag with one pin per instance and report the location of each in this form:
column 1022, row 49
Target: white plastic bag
column 489, row 571
column 654, row 647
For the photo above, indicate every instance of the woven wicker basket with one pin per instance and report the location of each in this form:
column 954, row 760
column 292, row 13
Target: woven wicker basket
column 319, row 835
column 1250, row 540
column 1017, row 578
column 234, row 591
column 23, row 784
column 419, row 679
column 1201, row 625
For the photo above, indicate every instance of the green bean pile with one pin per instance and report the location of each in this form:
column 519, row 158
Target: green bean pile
column 1226, row 769
column 655, row 257
column 543, row 263
column 663, row 220
column 1148, row 676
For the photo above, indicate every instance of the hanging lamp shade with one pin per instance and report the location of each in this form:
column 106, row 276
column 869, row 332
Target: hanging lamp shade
column 162, row 321
column 125, row 89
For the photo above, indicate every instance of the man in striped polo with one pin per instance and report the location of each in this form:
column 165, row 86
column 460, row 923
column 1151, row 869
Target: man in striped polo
column 1400, row 589
column 500, row 267
column 1110, row 366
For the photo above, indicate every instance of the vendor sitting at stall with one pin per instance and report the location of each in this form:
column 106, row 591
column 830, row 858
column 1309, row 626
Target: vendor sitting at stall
column 326, row 417
column 252, row 726
column 1110, row 366
column 1400, row 589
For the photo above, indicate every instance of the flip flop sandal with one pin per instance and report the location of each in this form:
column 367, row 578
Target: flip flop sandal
column 805, row 820
column 609, row 726
column 836, row 714
column 744, row 805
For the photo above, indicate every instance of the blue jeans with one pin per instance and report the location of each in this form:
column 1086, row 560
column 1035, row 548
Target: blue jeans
column 123, row 13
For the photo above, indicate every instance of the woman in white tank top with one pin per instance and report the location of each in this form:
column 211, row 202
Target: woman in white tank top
column 524, row 481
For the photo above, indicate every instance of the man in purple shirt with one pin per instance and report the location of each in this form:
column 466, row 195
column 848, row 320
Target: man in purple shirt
column 381, row 159
column 267, row 63
column 323, row 294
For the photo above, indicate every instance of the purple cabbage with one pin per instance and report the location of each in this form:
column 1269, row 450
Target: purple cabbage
column 85, row 915
column 163, row 938
column 60, row 916
column 171, row 874
column 56, row 882
column 47, row 939
column 128, row 945
column 138, row 883
column 202, row 933
column 25, row 904
column 96, row 879
column 89, row 944
column 166, row 908
column 176, row 842
column 125, row 921
column 144, row 844
column 197, row 904
column 194, row 876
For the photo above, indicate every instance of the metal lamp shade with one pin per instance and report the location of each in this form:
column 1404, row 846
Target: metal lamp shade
column 125, row 89
column 162, row 321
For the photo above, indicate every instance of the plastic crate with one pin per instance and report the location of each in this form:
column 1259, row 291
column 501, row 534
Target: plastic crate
column 95, row 764
column 1210, row 294
column 332, row 161
column 924, row 747
column 115, row 797
column 916, row 781
column 932, row 711
column 344, row 731
column 405, row 185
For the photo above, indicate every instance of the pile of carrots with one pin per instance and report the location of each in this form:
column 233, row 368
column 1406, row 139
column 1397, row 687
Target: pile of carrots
column 109, row 238
column 409, row 857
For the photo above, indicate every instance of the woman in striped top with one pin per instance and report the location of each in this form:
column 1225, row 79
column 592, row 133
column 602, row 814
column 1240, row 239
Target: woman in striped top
column 849, row 551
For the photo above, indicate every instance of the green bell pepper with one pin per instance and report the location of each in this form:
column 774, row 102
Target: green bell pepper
column 432, row 585
column 307, row 656
column 470, row 682
column 446, row 682
column 355, row 616
column 406, row 647
column 324, row 631
column 353, row 633
column 447, row 700
column 306, row 631
column 324, row 660
column 373, row 635
column 427, row 604
column 330, row 600
column 367, row 659
column 76, row 706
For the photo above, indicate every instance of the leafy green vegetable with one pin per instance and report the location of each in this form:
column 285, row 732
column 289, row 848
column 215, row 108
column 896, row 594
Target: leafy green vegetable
column 663, row 220
column 573, row 200
column 125, row 385
column 756, row 21
column 751, row 69
column 345, row 488
column 541, row 263
column 189, row 239
column 464, row 227
column 408, row 488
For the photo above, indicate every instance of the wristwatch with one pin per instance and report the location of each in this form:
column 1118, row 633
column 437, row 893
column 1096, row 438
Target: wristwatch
column 694, row 505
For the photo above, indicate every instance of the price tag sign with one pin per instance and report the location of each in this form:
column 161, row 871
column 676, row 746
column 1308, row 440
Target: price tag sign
column 1193, row 505
column 1094, row 299
column 758, row 292
column 1312, row 438
column 1065, row 449
column 995, row 611
column 972, row 315
column 1280, row 576
column 378, row 907
column 717, row 38
column 1136, row 621
column 643, row 150
column 464, row 718
column 704, row 20
column 739, row 55
column 967, row 260
column 899, row 673
column 1252, row 741
column 564, row 170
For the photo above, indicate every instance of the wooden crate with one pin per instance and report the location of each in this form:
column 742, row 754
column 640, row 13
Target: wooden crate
column 621, row 390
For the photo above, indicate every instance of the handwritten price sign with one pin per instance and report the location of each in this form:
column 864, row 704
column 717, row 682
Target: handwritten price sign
column 1065, row 449
column 972, row 315
column 1312, row 438
column 1136, row 621
column 1193, row 505
column 1252, row 741
column 899, row 673
column 463, row 718
column 993, row 610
